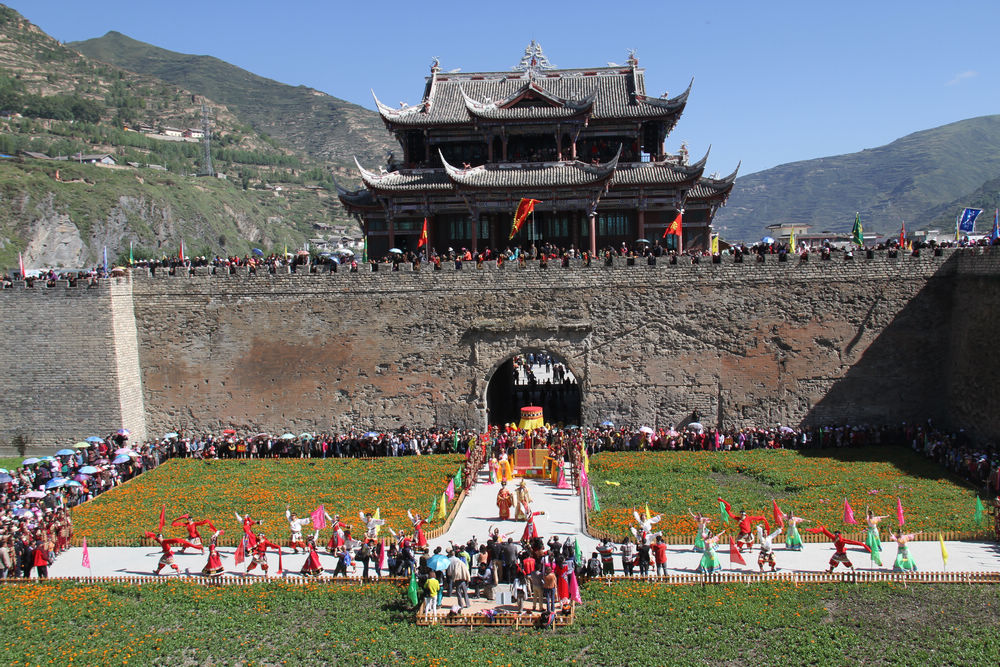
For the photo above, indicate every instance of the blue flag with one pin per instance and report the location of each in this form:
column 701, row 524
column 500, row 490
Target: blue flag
column 995, row 234
column 105, row 260
column 967, row 221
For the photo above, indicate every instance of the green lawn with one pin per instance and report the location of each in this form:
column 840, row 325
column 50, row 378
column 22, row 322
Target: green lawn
column 216, row 489
column 772, row 624
column 11, row 462
column 811, row 484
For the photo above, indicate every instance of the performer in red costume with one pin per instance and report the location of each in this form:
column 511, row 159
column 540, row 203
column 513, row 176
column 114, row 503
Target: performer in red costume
column 248, row 524
column 260, row 547
column 530, row 531
column 839, row 547
column 337, row 538
column 167, row 558
column 213, row 567
column 312, row 567
column 418, row 529
column 194, row 537
column 745, row 525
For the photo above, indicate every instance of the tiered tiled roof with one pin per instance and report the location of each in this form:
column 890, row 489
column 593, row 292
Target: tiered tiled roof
column 406, row 179
column 707, row 189
column 667, row 172
column 603, row 93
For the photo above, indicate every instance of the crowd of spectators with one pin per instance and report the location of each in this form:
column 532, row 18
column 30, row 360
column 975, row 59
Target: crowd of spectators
column 540, row 254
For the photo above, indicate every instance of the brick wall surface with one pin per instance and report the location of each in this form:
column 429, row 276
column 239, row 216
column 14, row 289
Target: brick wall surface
column 867, row 340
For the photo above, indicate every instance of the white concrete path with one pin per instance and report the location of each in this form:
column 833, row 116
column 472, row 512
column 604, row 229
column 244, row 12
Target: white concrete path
column 563, row 517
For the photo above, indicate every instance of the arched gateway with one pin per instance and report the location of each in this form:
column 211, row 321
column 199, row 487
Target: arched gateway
column 533, row 377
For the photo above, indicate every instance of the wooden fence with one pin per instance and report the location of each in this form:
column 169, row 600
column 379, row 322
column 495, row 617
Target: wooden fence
column 725, row 578
column 435, row 533
column 499, row 620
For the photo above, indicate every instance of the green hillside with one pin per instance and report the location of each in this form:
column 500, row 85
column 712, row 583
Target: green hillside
column 57, row 103
column 915, row 178
column 298, row 117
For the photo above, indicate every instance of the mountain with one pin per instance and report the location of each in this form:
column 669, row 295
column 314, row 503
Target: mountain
column 917, row 178
column 301, row 118
column 55, row 102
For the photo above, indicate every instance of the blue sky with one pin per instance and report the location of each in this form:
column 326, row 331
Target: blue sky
column 775, row 82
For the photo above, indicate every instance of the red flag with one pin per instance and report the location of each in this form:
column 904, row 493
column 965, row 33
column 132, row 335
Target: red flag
column 381, row 553
column 902, row 235
column 181, row 253
column 241, row 553
column 20, row 261
column 450, row 490
column 86, row 555
column 525, row 207
column 280, row 569
column 848, row 512
column 899, row 512
column 163, row 518
column 318, row 518
column 779, row 517
column 734, row 553
column 423, row 236
column 675, row 226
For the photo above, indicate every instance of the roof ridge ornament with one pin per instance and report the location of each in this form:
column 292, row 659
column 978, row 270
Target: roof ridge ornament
column 533, row 59
column 633, row 58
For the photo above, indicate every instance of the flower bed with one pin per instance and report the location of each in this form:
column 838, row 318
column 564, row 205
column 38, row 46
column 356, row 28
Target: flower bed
column 172, row 622
column 216, row 489
column 812, row 485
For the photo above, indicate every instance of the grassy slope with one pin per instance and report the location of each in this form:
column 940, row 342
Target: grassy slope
column 202, row 212
column 203, row 209
column 908, row 179
column 812, row 485
column 175, row 623
column 299, row 117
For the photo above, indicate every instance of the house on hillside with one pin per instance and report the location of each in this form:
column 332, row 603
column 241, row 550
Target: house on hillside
column 193, row 133
column 96, row 158
column 35, row 156
column 171, row 131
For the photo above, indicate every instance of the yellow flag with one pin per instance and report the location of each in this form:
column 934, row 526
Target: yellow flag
column 715, row 244
column 647, row 512
column 586, row 464
column 377, row 517
column 791, row 241
column 944, row 552
column 444, row 501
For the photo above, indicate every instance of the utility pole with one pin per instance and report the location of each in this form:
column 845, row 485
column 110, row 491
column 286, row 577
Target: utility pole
column 206, row 143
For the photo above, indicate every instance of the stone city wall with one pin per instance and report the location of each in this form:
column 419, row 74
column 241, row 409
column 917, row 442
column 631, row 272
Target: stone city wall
column 69, row 365
column 868, row 340
column 746, row 343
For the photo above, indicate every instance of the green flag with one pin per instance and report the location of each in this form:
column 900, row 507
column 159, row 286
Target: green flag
column 411, row 590
column 857, row 236
column 577, row 553
column 597, row 505
column 979, row 510
column 454, row 442
column 434, row 507
column 458, row 480
column 725, row 514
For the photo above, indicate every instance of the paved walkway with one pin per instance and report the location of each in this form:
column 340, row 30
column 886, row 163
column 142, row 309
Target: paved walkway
column 563, row 517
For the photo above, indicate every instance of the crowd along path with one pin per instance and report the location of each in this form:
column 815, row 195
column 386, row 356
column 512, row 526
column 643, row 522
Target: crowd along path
column 563, row 517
